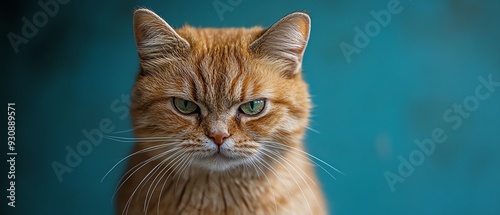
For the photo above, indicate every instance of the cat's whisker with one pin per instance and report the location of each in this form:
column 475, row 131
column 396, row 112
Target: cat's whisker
column 246, row 167
column 292, row 165
column 301, row 173
column 141, row 138
column 154, row 171
column 142, row 141
column 312, row 129
column 293, row 177
column 148, row 149
column 304, row 156
column 309, row 159
column 124, row 131
column 138, row 139
column 189, row 164
column 283, row 146
column 177, row 155
column 141, row 164
column 269, row 167
column 176, row 165
column 145, row 177
column 156, row 168
column 268, row 183
column 183, row 167
column 118, row 140
column 172, row 164
column 172, row 160
column 145, row 162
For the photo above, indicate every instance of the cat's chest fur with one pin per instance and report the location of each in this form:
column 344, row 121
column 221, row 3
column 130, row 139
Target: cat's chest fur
column 283, row 190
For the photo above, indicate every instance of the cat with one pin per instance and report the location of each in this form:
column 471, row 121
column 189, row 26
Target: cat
column 219, row 117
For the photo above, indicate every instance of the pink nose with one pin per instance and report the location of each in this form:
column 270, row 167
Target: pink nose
column 219, row 137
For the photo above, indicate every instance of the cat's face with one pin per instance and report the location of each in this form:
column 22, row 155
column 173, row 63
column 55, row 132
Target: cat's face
column 220, row 98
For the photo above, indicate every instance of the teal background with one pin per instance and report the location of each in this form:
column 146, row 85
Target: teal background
column 73, row 72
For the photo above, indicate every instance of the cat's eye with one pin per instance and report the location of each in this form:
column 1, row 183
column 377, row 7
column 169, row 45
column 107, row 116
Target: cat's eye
column 254, row 107
column 185, row 106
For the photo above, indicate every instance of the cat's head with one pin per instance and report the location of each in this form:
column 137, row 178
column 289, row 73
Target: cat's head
column 220, row 98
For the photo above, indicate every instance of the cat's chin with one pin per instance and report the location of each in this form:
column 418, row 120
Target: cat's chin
column 219, row 162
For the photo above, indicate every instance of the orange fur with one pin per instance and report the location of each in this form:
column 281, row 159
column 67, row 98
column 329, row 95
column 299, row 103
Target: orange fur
column 219, row 70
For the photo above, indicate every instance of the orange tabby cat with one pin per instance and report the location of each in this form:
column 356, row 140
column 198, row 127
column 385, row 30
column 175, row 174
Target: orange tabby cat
column 219, row 116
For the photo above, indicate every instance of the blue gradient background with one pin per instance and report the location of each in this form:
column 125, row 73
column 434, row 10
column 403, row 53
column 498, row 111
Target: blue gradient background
column 368, row 112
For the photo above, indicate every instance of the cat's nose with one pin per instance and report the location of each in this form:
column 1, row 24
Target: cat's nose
column 219, row 137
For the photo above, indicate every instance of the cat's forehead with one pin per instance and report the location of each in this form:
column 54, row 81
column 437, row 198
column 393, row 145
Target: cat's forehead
column 218, row 41
column 226, row 79
column 222, row 70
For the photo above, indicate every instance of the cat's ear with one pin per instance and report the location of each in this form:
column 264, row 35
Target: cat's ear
column 285, row 41
column 155, row 38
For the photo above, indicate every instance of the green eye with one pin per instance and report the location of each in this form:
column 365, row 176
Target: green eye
column 185, row 106
column 253, row 107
